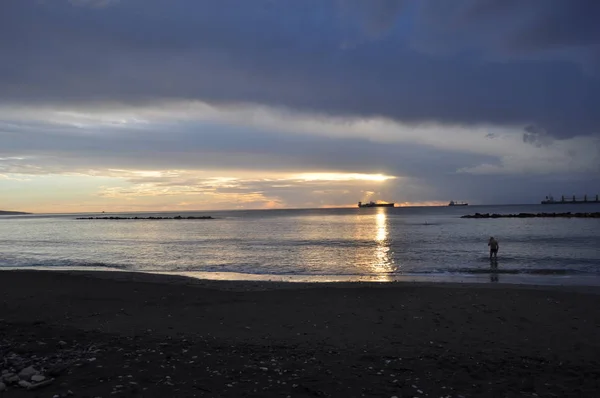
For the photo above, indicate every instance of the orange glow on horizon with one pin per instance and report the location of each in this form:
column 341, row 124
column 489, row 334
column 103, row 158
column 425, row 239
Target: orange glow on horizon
column 422, row 204
column 401, row 204
column 343, row 177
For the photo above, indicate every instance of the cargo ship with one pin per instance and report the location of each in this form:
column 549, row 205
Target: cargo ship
column 373, row 204
column 572, row 200
column 454, row 203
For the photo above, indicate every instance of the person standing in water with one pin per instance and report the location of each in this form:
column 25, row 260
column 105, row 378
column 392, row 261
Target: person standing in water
column 493, row 244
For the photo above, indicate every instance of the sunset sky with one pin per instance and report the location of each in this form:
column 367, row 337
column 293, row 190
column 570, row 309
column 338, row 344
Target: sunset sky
column 140, row 105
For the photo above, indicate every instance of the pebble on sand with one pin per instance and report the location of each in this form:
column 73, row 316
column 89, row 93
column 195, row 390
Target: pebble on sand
column 26, row 373
column 11, row 378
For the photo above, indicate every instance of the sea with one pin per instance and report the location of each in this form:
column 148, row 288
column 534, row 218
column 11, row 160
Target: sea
column 317, row 245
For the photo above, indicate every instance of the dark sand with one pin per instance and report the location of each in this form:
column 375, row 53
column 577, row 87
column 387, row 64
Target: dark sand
column 122, row 334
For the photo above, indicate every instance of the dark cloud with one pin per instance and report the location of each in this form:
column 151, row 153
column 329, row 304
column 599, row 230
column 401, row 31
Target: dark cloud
column 536, row 136
column 509, row 26
column 291, row 54
column 375, row 16
column 93, row 3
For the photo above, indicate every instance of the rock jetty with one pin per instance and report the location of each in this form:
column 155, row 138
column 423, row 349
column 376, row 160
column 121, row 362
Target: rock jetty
column 147, row 218
column 12, row 213
column 534, row 215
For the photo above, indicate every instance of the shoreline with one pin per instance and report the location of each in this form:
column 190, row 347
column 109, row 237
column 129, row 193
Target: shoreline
column 193, row 280
column 136, row 334
column 481, row 276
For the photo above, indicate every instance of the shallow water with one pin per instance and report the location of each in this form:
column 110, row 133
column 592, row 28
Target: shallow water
column 347, row 244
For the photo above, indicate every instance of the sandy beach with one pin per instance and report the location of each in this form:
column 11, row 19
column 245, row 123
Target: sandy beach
column 105, row 334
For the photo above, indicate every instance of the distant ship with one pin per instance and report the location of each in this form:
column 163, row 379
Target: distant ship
column 454, row 203
column 373, row 204
column 551, row 201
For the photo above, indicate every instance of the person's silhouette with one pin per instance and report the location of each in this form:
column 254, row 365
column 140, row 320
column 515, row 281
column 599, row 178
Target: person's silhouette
column 494, row 246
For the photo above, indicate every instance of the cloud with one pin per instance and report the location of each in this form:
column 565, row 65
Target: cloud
column 290, row 55
column 12, row 177
column 375, row 17
column 200, row 137
column 510, row 28
column 547, row 157
column 223, row 140
column 193, row 189
column 536, row 136
column 244, row 102
column 93, row 3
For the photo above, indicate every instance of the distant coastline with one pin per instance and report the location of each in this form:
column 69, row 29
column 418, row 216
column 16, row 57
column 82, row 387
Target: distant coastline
column 147, row 218
column 11, row 213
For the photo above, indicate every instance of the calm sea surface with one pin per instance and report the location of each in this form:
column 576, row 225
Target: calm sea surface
column 321, row 244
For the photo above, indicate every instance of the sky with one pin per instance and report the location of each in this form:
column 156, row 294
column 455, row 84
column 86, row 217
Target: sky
column 154, row 105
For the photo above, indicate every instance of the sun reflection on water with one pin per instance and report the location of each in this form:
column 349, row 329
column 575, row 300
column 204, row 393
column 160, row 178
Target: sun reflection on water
column 383, row 263
column 382, row 232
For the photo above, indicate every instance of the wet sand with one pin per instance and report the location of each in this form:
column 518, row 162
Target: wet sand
column 102, row 334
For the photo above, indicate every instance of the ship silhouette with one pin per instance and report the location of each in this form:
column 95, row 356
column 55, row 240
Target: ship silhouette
column 373, row 204
column 563, row 200
column 456, row 203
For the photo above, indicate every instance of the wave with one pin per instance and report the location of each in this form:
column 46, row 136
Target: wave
column 295, row 271
column 532, row 271
column 53, row 264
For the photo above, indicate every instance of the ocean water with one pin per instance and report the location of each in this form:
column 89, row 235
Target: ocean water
column 384, row 244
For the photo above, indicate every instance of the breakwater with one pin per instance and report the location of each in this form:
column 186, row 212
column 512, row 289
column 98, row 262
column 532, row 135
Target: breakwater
column 147, row 218
column 12, row 213
column 534, row 215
